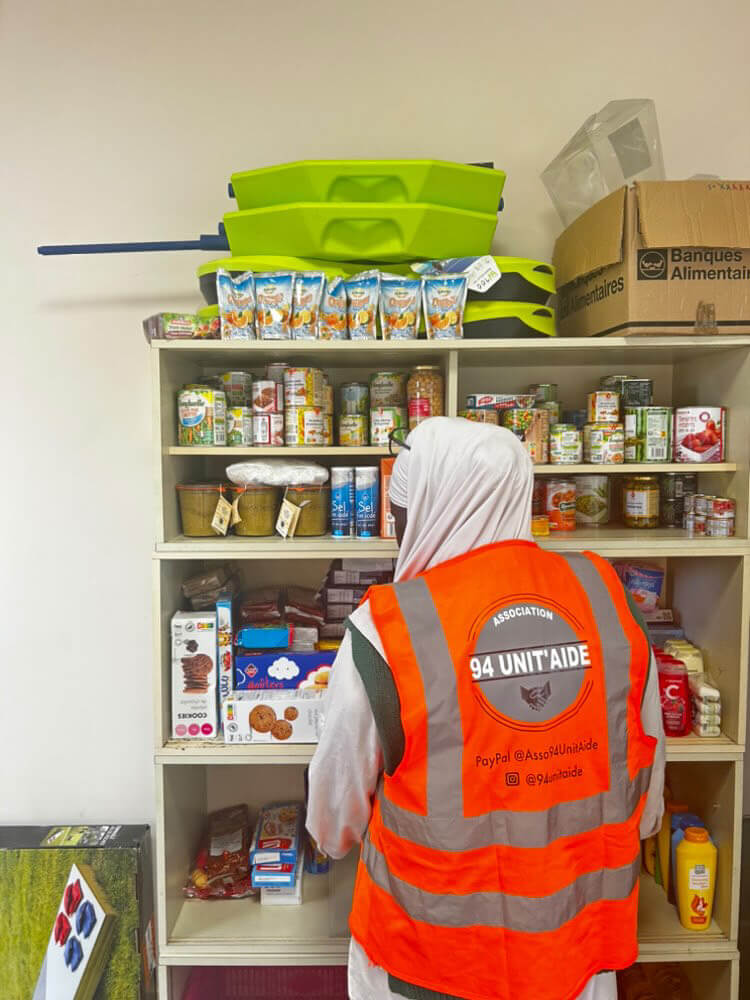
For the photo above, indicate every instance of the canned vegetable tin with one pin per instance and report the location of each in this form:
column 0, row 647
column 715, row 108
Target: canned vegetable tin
column 238, row 388
column 387, row 389
column 304, row 425
column 565, row 444
column 352, row 430
column 604, row 407
column 641, row 502
column 633, row 391
column 342, row 501
column 648, row 433
column 355, row 399
column 604, row 444
column 202, row 417
column 592, row 499
column 268, row 430
column 239, row 426
column 304, row 387
column 385, row 419
column 532, row 428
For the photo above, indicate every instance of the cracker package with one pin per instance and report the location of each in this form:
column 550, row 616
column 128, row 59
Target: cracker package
column 273, row 716
column 308, row 292
column 274, row 292
column 362, row 294
column 277, row 835
column 332, row 324
column 236, row 298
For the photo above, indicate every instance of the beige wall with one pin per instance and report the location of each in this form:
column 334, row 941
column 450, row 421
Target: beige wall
column 123, row 122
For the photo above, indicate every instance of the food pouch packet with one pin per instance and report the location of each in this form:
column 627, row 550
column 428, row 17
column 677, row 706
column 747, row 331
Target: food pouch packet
column 400, row 305
column 444, row 299
column 308, row 292
column 236, row 297
column 274, row 292
column 332, row 325
column 362, row 293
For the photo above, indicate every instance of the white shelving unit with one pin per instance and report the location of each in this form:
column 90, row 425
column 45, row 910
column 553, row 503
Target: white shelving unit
column 708, row 582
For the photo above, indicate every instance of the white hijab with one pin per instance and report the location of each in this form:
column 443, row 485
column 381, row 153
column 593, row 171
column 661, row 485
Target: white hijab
column 464, row 485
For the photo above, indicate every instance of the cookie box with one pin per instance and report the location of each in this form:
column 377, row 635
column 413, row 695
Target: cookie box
column 273, row 717
column 284, row 895
column 194, row 675
column 265, row 636
column 277, row 835
column 288, row 670
column 276, row 874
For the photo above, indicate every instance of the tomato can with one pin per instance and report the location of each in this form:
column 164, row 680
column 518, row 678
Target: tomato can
column 531, row 427
column 699, row 434
column 695, row 524
column 561, row 504
column 268, row 430
column 720, row 527
column 565, row 445
column 648, row 433
column 592, row 500
column 722, row 507
column 604, row 444
column 604, row 407
column 304, row 425
column 385, row 419
column 387, row 389
column 352, row 430
column 304, row 387
column 480, row 416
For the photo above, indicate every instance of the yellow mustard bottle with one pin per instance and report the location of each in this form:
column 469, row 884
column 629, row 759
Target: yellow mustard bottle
column 664, row 839
column 695, row 879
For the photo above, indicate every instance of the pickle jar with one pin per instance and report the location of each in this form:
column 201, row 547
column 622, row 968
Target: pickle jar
column 641, row 502
column 425, row 391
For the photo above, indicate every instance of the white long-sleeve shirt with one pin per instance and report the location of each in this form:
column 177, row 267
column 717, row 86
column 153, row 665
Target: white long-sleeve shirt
column 346, row 768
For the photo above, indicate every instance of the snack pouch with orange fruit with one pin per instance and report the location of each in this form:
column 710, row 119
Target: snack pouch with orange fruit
column 362, row 294
column 236, row 297
column 400, row 303
column 274, row 291
column 444, row 299
column 308, row 292
column 332, row 325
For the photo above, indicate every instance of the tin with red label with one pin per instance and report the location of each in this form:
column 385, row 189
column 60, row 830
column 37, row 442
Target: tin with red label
column 720, row 527
column 722, row 507
column 268, row 430
column 695, row 525
column 699, row 434
column 561, row 504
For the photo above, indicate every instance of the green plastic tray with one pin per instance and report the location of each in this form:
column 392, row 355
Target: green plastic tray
column 436, row 182
column 360, row 231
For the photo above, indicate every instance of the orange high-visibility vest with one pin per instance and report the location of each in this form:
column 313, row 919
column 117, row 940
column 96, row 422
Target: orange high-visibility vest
column 502, row 857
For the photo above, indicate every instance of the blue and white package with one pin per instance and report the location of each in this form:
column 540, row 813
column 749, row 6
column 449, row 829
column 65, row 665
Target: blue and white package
column 308, row 292
column 332, row 323
column 274, row 292
column 444, row 300
column 367, row 501
column 236, row 298
column 342, row 502
column 362, row 295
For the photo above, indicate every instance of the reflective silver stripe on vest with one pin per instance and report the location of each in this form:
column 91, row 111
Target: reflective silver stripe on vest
column 532, row 915
column 445, row 827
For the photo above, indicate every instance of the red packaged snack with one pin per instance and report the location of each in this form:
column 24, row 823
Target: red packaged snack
column 222, row 868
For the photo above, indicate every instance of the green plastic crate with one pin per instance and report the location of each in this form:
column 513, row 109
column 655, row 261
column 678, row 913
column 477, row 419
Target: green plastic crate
column 360, row 231
column 435, row 182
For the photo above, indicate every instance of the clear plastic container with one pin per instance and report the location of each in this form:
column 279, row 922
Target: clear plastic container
column 197, row 507
column 258, row 506
column 315, row 502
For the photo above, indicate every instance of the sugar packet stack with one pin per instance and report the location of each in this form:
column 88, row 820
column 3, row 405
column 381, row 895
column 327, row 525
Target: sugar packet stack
column 705, row 705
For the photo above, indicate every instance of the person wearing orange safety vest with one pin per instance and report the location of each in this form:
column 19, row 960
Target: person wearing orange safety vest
column 493, row 740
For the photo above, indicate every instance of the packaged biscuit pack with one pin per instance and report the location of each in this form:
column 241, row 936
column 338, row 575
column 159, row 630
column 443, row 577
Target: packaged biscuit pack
column 273, row 716
column 277, row 835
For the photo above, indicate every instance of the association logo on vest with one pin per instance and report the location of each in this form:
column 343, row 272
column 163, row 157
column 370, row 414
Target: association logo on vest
column 528, row 662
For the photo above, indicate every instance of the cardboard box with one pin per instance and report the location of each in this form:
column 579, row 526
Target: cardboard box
column 286, row 670
column 273, row 717
column 225, row 648
column 280, row 895
column 277, row 835
column 194, row 675
column 662, row 257
column 387, row 521
column 79, row 910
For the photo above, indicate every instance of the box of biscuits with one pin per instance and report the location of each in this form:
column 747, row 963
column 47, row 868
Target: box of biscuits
column 273, row 717
column 194, row 675
column 276, row 840
column 283, row 670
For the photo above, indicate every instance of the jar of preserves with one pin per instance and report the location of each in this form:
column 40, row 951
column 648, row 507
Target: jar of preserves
column 425, row 390
column 315, row 504
column 258, row 508
column 641, row 502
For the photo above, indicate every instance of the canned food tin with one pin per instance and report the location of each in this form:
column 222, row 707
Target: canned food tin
column 201, row 417
column 385, row 419
column 592, row 499
column 671, row 512
column 265, row 398
column 355, row 398
column 304, row 425
column 720, row 527
column 352, row 430
column 561, row 504
column 641, row 502
column 688, row 502
column 239, row 426
column 532, row 428
column 367, row 501
column 268, row 430
column 565, row 445
column 699, row 434
column 327, row 429
column 238, row 388
column 695, row 524
column 648, row 433
column 577, row 417
column 604, row 444
column 544, row 392
column 481, row 416
column 702, row 503
column 304, row 387
column 500, row 401
column 604, row 407
column 722, row 507
column 553, row 408
column 275, row 371
column 387, row 389
column 633, row 391
column 342, row 501
column 675, row 485
column 328, row 399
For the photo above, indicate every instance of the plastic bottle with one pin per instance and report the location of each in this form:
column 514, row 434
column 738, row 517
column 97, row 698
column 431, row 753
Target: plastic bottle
column 664, row 840
column 696, row 879
column 679, row 825
column 675, row 696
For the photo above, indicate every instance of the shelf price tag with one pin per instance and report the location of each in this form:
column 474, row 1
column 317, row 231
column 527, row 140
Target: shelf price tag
column 483, row 274
column 286, row 525
column 222, row 516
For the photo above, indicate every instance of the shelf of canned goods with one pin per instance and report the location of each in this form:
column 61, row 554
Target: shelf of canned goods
column 637, row 499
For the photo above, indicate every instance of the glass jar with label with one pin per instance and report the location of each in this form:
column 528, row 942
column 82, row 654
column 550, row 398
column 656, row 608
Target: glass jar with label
column 641, row 502
column 425, row 391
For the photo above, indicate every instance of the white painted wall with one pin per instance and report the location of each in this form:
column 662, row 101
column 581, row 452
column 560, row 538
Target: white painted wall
column 123, row 121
